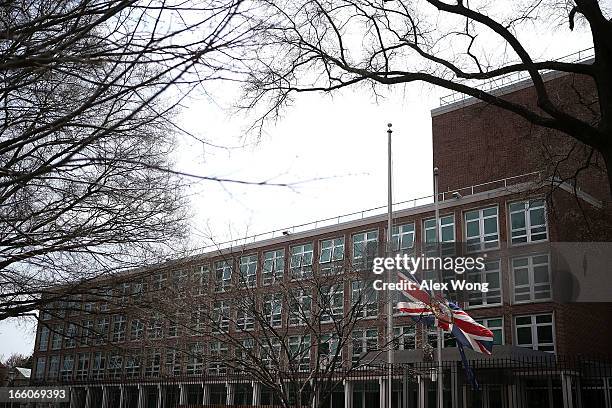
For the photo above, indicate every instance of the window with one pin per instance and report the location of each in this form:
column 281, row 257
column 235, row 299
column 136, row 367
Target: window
column 528, row 221
column 273, row 267
column 82, row 366
column 200, row 279
column 300, row 307
column 365, row 248
column 198, row 320
column 248, row 270
column 102, row 329
column 404, row 338
column 173, row 362
column 402, row 237
column 54, row 363
column 173, row 325
column 490, row 275
column 43, row 339
column 99, row 365
column 270, row 352
column 329, row 351
column 115, row 365
column 481, row 229
column 272, row 308
column 40, row 367
column 364, row 341
column 332, row 303
column 159, row 281
column 124, row 289
column 245, row 315
column 179, row 283
column 244, row 353
column 496, row 325
column 364, row 299
column 67, row 368
column 195, row 360
column 535, row 332
column 138, row 289
column 155, row 329
column 299, row 352
column 119, row 327
column 223, row 276
column 531, row 276
column 301, row 261
column 332, row 251
column 446, row 234
column 137, row 329
column 153, row 364
column 71, row 336
column 221, row 315
column 218, row 353
column 87, row 332
column 56, row 337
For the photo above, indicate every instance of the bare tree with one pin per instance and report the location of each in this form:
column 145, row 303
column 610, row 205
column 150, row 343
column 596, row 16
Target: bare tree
column 89, row 90
column 18, row 360
column 323, row 46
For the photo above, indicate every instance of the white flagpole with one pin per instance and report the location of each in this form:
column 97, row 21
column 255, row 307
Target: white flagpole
column 440, row 333
column 389, row 273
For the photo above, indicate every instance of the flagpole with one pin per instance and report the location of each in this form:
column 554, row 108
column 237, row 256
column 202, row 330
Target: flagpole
column 440, row 333
column 389, row 272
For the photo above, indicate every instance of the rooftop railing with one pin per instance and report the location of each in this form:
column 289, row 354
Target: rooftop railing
column 380, row 210
column 514, row 77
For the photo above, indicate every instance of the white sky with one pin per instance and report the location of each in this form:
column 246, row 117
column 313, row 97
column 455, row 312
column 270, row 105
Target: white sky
column 341, row 140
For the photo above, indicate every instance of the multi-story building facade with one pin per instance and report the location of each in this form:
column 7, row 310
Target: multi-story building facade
column 118, row 347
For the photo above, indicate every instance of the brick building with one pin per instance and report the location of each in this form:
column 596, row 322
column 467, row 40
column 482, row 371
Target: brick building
column 496, row 197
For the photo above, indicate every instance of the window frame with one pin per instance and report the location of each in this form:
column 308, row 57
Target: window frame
column 248, row 270
column 530, row 276
column 481, row 219
column 527, row 210
column 275, row 273
column 535, row 345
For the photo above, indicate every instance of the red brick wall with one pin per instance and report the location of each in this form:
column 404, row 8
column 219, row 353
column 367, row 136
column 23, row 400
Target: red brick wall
column 480, row 143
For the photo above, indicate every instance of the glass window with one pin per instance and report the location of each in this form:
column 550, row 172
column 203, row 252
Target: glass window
column 332, row 252
column 245, row 314
column 43, row 339
column 218, row 354
column 528, row 221
column 40, row 367
column 300, row 307
column 119, row 327
column 363, row 342
column 332, row 303
column 153, row 363
column 535, row 331
column 99, row 365
column 273, row 308
column 365, row 249
column 67, row 368
column 299, row 352
column 329, row 352
column 102, row 328
column 273, row 267
column 200, row 279
column 481, row 229
column 404, row 338
column 364, row 299
column 402, row 237
column 115, row 365
column 301, row 261
column 56, row 337
column 270, row 352
column 490, row 275
column 531, row 276
column 446, row 233
column 248, row 270
column 223, row 276
column 496, row 325
column 155, row 329
column 173, row 363
column 71, row 335
column 54, row 363
column 82, row 370
column 195, row 359
column 221, row 316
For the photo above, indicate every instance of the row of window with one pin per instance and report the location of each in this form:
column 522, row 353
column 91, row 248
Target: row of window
column 531, row 331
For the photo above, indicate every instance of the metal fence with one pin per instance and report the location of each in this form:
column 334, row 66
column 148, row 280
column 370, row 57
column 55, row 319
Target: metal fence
column 533, row 382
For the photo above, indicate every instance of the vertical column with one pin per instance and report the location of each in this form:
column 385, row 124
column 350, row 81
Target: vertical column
column 566, row 389
column 422, row 397
column 122, row 396
column 454, row 386
column 348, row 394
column 73, row 398
column 160, row 396
column 231, row 391
column 205, row 394
column 142, row 396
column 88, row 397
column 183, row 394
column 105, row 391
column 317, row 396
column 256, row 400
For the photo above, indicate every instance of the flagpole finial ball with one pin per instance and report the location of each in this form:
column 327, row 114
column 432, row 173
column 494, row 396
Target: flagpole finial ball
column 389, row 125
column 435, row 171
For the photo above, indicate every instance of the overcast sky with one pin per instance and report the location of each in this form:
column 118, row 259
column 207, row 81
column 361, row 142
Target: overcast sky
column 338, row 143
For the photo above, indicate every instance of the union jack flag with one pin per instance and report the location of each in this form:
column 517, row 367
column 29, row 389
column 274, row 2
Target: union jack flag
column 448, row 316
